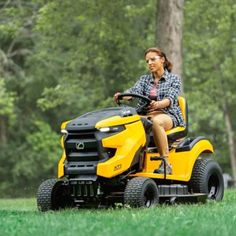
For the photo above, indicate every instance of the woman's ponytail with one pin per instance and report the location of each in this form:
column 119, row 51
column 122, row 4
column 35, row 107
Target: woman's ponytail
column 167, row 64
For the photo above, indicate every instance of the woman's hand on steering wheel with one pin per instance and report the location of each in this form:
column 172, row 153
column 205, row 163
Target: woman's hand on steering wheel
column 115, row 97
column 129, row 96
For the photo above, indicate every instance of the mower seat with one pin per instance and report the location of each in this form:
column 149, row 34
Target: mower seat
column 179, row 131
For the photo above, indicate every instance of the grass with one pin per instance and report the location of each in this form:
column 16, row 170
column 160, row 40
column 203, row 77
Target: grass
column 20, row 217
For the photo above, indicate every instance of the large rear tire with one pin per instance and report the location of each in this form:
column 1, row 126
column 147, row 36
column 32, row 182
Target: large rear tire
column 141, row 192
column 207, row 178
column 53, row 194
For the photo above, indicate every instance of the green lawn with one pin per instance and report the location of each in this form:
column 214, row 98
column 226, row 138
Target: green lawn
column 20, row 217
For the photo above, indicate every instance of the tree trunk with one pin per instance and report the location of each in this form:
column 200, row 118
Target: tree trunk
column 3, row 131
column 231, row 142
column 169, row 27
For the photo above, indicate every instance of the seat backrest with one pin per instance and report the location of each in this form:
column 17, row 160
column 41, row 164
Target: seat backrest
column 179, row 132
column 183, row 108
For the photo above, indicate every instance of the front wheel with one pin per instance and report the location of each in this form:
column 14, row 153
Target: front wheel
column 53, row 194
column 207, row 178
column 141, row 192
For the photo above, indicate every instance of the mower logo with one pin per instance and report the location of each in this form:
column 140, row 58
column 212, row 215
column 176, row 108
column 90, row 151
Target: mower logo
column 79, row 146
column 117, row 167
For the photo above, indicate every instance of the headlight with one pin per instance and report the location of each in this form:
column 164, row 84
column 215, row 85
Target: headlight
column 64, row 133
column 112, row 129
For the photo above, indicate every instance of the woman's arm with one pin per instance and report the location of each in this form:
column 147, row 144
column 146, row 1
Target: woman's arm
column 170, row 98
column 156, row 105
column 174, row 90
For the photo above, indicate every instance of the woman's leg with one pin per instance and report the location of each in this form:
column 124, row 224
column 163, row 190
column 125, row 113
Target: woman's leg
column 161, row 123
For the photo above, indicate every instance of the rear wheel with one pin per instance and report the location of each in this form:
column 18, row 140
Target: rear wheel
column 141, row 192
column 53, row 194
column 207, row 178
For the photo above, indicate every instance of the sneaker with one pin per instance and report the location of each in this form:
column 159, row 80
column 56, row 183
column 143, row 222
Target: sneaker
column 161, row 168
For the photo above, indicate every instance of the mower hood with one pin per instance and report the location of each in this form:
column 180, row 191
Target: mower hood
column 90, row 119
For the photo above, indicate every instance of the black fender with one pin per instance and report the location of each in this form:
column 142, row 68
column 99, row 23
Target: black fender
column 188, row 143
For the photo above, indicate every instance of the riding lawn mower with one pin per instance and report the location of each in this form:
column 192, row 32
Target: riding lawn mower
column 109, row 157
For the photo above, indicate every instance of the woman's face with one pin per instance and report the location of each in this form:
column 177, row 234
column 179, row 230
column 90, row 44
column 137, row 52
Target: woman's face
column 154, row 62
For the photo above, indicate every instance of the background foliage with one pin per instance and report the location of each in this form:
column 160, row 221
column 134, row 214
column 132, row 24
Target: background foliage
column 59, row 59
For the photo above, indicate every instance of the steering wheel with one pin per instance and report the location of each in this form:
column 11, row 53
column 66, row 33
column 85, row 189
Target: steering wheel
column 140, row 110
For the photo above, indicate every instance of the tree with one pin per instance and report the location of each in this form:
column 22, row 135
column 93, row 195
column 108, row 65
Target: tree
column 59, row 59
column 68, row 60
column 7, row 106
column 169, row 28
column 209, row 67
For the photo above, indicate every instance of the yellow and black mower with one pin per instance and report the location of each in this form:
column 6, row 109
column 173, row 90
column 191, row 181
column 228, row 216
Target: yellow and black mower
column 109, row 157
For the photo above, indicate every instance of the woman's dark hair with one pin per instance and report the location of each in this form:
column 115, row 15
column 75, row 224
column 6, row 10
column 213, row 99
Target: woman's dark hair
column 167, row 64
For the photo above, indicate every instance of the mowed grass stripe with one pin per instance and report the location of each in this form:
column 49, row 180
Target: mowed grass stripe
column 20, row 217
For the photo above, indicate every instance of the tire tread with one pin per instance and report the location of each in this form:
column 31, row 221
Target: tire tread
column 44, row 195
column 133, row 191
column 198, row 180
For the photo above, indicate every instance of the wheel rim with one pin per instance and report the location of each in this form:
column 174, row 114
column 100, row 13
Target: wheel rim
column 213, row 186
column 149, row 197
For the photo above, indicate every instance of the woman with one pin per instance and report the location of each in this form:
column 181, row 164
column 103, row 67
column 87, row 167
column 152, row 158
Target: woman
column 163, row 88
